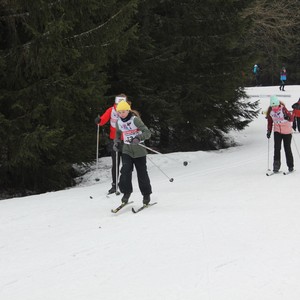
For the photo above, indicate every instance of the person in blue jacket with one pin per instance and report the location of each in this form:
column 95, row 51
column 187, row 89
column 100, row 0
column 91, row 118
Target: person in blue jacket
column 256, row 72
column 282, row 78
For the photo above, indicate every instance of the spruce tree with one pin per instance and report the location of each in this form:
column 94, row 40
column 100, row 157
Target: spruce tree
column 187, row 73
column 52, row 75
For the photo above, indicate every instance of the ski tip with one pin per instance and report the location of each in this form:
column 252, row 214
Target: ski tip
column 273, row 173
column 288, row 172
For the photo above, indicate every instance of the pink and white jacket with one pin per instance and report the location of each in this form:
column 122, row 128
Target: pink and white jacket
column 281, row 119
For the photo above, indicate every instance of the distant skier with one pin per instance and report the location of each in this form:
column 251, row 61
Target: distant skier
column 283, row 76
column 278, row 115
column 256, row 71
column 296, row 115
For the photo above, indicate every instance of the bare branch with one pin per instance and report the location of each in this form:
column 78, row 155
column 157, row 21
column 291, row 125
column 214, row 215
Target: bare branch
column 96, row 28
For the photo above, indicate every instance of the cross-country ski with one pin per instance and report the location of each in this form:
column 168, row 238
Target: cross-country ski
column 120, row 207
column 271, row 173
column 143, row 207
column 288, row 172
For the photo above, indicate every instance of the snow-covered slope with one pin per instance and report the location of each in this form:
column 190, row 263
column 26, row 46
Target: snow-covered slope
column 221, row 230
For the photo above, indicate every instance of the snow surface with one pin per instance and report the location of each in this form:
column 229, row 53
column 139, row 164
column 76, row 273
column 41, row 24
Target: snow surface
column 221, row 230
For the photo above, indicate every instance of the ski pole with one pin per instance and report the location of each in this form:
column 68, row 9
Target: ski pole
column 296, row 146
column 170, row 179
column 97, row 151
column 117, row 173
column 185, row 163
column 97, row 148
column 269, row 155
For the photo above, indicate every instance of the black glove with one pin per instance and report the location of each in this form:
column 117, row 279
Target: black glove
column 286, row 117
column 268, row 134
column 136, row 140
column 117, row 146
column 97, row 120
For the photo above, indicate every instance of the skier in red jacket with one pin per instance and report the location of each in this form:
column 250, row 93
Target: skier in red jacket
column 111, row 115
column 296, row 114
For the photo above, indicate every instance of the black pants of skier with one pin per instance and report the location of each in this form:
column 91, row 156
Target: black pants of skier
column 287, row 139
column 282, row 84
column 296, row 123
column 257, row 79
column 140, row 165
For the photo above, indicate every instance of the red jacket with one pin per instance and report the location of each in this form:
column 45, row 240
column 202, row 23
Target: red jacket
column 296, row 109
column 112, row 116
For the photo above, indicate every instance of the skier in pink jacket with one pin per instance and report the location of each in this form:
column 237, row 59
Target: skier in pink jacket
column 279, row 118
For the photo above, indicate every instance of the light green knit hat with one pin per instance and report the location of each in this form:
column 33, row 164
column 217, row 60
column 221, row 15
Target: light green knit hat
column 274, row 101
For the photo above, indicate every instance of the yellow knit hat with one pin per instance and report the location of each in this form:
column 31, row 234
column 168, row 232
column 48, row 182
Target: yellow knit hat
column 123, row 105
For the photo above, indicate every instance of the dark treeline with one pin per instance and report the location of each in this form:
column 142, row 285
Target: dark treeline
column 183, row 64
column 274, row 39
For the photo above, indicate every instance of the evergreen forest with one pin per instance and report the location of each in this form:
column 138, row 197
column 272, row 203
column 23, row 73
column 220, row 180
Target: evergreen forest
column 182, row 64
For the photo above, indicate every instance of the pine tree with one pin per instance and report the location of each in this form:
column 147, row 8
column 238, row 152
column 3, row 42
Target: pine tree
column 187, row 73
column 52, row 75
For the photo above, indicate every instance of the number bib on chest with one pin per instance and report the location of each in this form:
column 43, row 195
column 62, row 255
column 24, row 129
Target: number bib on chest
column 278, row 117
column 129, row 130
column 113, row 118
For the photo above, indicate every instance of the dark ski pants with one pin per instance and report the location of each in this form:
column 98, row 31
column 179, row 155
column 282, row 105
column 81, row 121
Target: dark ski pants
column 296, row 123
column 282, row 84
column 257, row 79
column 140, row 164
column 287, row 139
